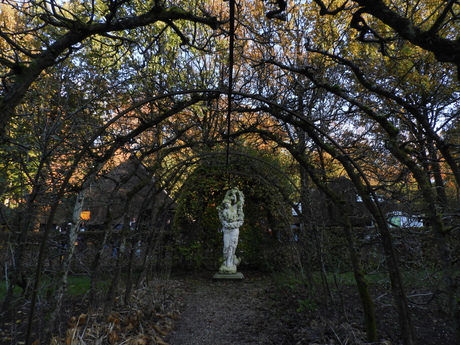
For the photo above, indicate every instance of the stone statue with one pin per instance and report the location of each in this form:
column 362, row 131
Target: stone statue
column 232, row 217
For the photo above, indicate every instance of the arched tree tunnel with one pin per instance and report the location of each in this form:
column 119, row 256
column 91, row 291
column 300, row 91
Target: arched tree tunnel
column 191, row 162
column 123, row 123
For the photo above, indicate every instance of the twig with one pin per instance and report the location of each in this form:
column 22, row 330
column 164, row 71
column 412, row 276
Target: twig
column 337, row 337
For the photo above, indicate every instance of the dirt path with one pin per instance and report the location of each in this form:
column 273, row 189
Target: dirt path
column 227, row 313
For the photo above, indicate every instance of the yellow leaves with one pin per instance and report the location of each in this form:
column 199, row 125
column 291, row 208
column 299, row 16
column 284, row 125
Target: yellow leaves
column 13, row 20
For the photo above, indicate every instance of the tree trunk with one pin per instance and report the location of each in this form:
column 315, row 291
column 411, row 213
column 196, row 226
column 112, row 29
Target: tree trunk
column 434, row 216
column 62, row 279
column 121, row 257
column 363, row 289
column 391, row 259
column 95, row 270
column 440, row 233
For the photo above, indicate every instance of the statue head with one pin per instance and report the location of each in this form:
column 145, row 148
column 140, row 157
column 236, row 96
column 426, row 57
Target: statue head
column 233, row 196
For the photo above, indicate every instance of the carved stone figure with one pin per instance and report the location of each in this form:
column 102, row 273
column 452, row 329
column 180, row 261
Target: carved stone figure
column 232, row 217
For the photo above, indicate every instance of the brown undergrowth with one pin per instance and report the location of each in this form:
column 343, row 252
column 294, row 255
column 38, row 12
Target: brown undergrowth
column 193, row 309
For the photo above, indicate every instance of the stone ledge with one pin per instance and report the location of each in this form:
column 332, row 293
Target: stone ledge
column 233, row 276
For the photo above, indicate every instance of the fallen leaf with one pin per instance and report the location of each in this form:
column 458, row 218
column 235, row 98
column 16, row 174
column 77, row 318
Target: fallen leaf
column 139, row 340
column 82, row 319
column 56, row 341
column 159, row 341
column 159, row 330
column 113, row 337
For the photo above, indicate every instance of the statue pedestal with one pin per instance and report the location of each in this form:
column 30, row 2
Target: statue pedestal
column 233, row 276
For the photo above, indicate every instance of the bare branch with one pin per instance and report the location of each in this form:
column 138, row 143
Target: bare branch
column 324, row 10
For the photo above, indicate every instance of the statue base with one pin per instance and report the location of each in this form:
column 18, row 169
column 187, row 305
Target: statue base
column 232, row 276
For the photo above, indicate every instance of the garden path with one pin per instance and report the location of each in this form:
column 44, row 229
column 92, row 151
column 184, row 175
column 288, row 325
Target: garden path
column 228, row 313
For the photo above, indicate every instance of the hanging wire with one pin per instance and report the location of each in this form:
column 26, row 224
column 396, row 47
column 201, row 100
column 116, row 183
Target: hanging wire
column 230, row 79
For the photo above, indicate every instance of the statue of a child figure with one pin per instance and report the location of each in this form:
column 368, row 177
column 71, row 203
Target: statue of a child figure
column 232, row 217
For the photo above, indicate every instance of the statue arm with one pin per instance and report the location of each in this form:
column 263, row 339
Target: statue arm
column 240, row 198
